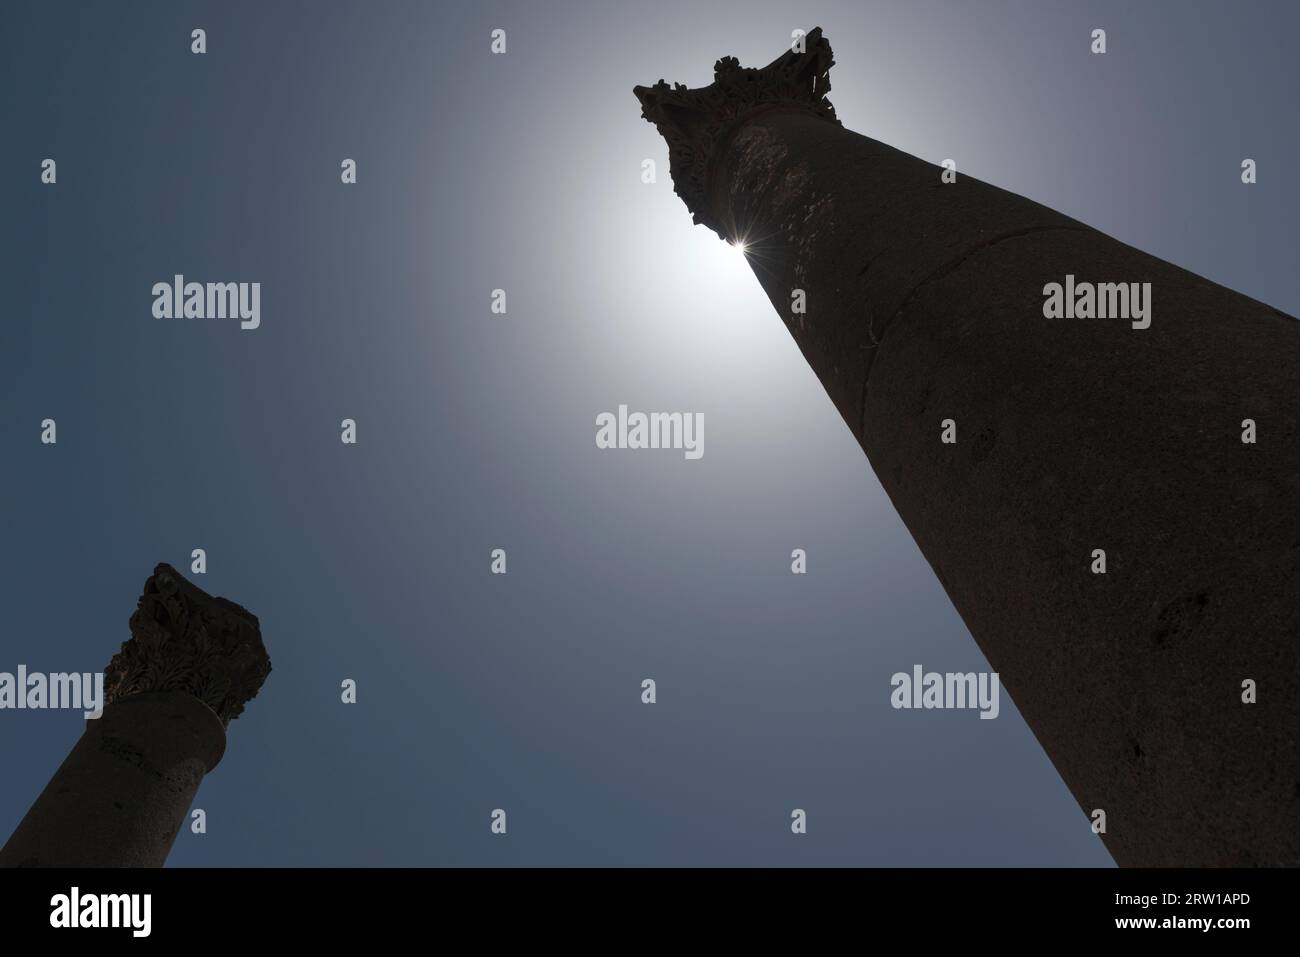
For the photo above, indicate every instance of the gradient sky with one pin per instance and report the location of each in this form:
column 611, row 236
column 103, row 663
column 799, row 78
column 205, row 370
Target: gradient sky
column 371, row 562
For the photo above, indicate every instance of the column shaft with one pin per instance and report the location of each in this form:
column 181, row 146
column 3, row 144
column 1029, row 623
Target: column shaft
column 121, row 795
column 925, row 302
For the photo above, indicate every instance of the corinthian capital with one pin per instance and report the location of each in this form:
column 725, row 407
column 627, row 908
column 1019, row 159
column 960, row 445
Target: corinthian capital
column 183, row 639
column 697, row 124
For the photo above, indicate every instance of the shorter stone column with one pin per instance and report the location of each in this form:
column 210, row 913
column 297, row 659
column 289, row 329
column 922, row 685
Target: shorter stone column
column 121, row 796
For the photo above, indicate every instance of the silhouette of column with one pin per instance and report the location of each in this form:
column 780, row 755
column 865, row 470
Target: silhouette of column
column 121, row 795
column 925, row 302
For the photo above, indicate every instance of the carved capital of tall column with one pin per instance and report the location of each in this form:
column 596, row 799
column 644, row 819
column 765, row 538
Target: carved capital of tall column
column 698, row 124
column 183, row 639
column 121, row 795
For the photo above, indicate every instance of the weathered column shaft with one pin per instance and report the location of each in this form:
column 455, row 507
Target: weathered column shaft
column 925, row 302
column 121, row 796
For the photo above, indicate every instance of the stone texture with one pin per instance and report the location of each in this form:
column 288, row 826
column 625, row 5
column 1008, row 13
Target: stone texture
column 122, row 794
column 924, row 303
column 183, row 639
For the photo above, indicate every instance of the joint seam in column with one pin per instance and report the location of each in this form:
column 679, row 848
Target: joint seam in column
column 935, row 275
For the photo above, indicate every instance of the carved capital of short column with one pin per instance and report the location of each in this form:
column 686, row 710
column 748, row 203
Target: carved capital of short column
column 698, row 124
column 183, row 639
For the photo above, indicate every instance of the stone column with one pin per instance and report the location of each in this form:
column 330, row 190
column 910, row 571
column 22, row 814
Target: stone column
column 925, row 302
column 122, row 794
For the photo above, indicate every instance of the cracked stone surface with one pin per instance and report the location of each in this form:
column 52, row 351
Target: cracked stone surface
column 924, row 302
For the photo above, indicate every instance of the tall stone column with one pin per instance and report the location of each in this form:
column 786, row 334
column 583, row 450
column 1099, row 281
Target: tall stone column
column 925, row 302
column 122, row 794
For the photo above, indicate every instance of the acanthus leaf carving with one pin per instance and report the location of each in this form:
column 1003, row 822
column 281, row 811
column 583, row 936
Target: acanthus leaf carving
column 183, row 639
column 696, row 122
